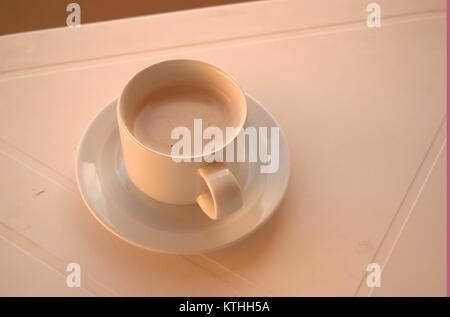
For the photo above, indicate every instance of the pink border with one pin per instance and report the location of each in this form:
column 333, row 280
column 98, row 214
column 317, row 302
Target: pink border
column 448, row 170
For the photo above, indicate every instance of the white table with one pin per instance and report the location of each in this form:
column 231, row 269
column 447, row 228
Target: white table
column 364, row 112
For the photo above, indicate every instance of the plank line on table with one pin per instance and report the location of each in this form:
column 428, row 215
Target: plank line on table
column 167, row 53
column 177, row 29
column 408, row 205
column 50, row 261
column 244, row 286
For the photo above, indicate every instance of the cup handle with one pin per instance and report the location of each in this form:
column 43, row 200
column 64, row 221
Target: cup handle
column 224, row 195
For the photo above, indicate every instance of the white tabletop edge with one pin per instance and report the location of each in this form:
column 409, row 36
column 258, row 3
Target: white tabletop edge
column 61, row 45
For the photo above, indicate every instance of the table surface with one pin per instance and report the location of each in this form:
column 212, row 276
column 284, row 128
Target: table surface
column 363, row 109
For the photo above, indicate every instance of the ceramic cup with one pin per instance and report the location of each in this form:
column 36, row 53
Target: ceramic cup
column 155, row 171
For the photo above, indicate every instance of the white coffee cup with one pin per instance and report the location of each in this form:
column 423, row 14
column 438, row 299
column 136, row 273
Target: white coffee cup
column 152, row 101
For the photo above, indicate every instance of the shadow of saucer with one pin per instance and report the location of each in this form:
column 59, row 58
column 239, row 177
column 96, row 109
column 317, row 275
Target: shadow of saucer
column 254, row 248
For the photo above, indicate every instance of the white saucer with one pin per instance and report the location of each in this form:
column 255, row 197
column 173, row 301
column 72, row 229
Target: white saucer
column 131, row 215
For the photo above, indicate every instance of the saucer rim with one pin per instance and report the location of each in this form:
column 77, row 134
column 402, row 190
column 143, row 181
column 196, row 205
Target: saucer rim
column 250, row 232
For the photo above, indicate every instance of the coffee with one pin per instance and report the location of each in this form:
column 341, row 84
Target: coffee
column 177, row 106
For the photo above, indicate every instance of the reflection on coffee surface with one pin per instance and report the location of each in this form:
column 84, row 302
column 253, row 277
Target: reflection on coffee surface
column 177, row 106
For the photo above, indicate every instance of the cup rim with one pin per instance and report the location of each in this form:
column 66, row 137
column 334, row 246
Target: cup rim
column 181, row 157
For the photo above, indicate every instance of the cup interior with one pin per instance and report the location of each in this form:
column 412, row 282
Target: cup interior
column 174, row 93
